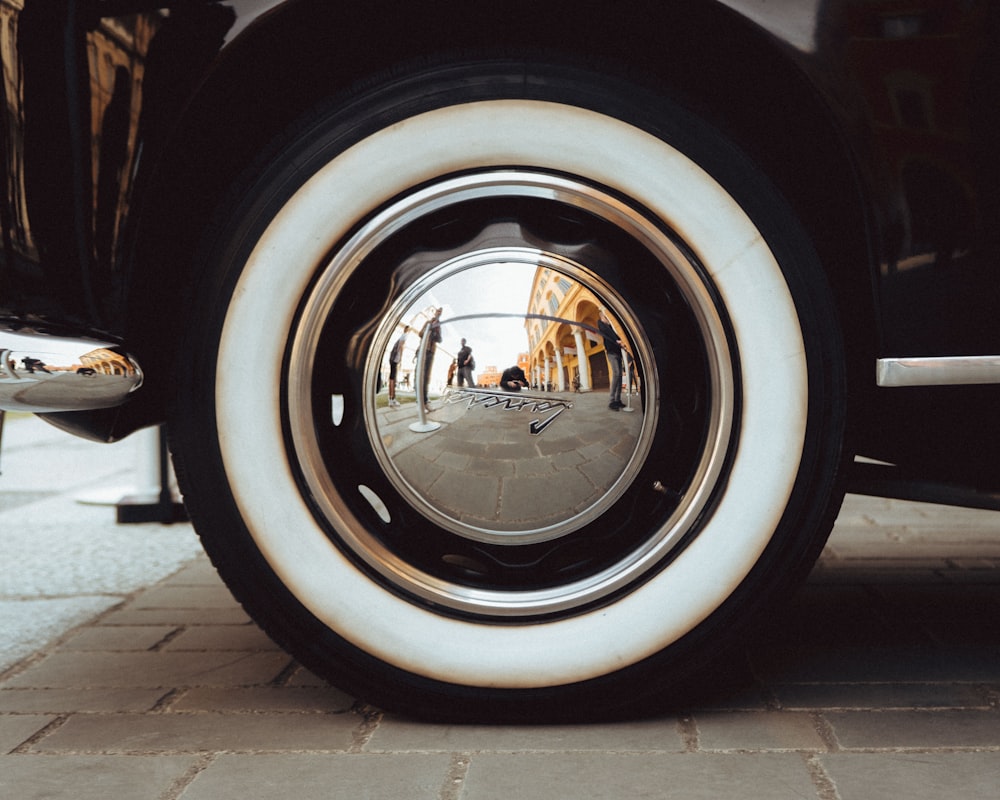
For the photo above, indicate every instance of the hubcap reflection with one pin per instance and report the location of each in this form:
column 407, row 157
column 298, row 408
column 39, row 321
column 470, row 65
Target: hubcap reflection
column 512, row 465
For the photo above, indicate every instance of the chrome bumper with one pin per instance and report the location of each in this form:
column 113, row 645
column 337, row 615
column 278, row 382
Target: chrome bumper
column 41, row 373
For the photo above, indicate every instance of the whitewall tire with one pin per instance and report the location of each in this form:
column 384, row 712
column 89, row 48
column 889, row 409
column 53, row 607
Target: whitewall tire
column 433, row 593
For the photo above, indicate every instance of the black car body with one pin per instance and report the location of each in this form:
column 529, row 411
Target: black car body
column 132, row 129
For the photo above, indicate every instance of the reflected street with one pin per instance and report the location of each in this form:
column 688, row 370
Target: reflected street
column 486, row 468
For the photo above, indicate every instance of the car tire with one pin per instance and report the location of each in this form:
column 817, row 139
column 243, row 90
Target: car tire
column 431, row 571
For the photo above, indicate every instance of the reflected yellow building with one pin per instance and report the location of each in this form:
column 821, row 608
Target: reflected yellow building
column 564, row 356
column 114, row 49
column 489, row 378
column 107, row 362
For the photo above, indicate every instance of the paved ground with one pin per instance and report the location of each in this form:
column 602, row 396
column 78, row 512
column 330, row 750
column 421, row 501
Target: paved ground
column 137, row 676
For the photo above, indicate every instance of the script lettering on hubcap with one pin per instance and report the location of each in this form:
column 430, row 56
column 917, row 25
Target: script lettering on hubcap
column 505, row 402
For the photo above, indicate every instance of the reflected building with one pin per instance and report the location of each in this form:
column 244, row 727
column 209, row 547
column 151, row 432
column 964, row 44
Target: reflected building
column 489, row 378
column 106, row 362
column 564, row 357
column 71, row 95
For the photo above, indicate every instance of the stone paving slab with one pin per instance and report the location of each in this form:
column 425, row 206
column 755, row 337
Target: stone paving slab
column 197, row 733
column 220, row 637
column 122, row 638
column 74, row 701
column 152, row 669
column 92, row 777
column 746, row 731
column 399, row 735
column 917, row 730
column 532, row 776
column 255, row 699
column 404, row 776
column 923, row 776
column 184, row 617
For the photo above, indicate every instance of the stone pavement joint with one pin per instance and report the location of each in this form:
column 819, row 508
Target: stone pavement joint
column 826, row 789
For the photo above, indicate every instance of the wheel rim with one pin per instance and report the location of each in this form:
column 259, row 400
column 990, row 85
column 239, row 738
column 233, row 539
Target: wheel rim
column 358, row 605
column 503, row 558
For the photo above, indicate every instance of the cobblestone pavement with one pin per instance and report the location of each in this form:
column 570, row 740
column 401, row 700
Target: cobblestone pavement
column 882, row 680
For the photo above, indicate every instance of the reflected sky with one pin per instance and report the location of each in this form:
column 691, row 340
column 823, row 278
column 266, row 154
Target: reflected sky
column 498, row 288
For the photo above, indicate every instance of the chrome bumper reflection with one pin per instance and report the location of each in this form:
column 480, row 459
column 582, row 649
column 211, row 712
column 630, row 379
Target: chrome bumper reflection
column 41, row 373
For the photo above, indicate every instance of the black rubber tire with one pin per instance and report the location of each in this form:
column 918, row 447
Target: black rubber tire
column 764, row 512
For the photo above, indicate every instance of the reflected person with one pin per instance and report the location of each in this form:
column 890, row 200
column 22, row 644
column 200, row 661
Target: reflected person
column 431, row 330
column 513, row 379
column 395, row 356
column 465, row 365
column 613, row 351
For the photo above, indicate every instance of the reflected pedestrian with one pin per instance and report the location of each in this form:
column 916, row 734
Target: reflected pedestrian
column 513, row 379
column 613, row 351
column 432, row 332
column 395, row 356
column 466, row 363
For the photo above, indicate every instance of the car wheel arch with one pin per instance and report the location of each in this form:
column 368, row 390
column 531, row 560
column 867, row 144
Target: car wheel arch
column 231, row 121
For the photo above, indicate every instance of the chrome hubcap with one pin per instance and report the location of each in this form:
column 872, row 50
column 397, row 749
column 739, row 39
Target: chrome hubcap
column 500, row 501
